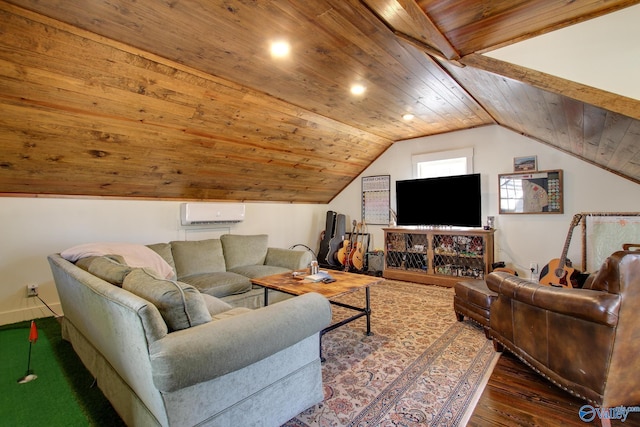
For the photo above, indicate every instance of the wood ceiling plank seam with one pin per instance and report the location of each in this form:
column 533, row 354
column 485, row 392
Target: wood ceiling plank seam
column 526, row 118
column 614, row 129
column 317, row 121
column 593, row 130
column 627, row 148
column 537, row 105
column 315, row 149
column 557, row 113
column 321, row 164
column 574, row 113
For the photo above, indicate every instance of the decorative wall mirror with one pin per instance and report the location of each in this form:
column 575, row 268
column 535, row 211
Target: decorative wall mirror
column 531, row 192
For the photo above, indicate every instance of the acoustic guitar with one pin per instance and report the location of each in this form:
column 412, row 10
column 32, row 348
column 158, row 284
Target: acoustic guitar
column 559, row 272
column 356, row 256
column 345, row 249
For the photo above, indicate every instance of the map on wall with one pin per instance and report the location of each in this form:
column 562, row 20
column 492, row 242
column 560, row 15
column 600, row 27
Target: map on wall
column 375, row 199
column 605, row 233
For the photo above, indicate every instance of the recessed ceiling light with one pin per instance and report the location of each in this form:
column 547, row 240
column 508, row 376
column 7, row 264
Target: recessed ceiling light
column 408, row 116
column 357, row 89
column 280, row 49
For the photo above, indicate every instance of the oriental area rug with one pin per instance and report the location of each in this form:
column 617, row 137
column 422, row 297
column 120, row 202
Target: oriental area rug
column 421, row 367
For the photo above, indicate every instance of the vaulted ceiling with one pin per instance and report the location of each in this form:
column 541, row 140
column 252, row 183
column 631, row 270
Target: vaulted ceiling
column 182, row 100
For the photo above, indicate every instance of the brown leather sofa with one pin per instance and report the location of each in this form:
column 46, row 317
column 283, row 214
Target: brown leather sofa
column 585, row 340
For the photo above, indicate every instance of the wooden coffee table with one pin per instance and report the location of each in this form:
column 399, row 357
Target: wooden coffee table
column 344, row 284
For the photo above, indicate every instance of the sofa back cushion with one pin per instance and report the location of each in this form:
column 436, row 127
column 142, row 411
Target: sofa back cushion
column 197, row 257
column 180, row 305
column 242, row 250
column 106, row 268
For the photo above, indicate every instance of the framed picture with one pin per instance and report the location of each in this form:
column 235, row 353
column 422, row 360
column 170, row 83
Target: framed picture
column 531, row 192
column 525, row 164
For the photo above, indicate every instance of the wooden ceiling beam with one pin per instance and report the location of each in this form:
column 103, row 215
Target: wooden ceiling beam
column 590, row 95
column 427, row 35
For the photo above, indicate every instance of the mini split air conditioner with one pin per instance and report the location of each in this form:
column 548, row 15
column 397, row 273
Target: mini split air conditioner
column 211, row 213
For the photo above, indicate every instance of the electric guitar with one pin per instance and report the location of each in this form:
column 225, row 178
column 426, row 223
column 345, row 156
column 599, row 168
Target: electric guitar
column 327, row 234
column 558, row 272
column 336, row 240
column 356, row 256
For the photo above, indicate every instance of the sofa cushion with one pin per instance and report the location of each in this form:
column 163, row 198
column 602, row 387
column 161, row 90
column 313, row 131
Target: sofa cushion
column 134, row 255
column 236, row 311
column 180, row 305
column 197, row 257
column 242, row 250
column 253, row 271
column 219, row 284
column 214, row 305
column 109, row 270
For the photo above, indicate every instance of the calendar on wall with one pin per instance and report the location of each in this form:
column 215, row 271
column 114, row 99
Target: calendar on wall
column 376, row 196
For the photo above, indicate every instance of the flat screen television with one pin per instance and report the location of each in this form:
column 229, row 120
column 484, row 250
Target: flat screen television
column 444, row 201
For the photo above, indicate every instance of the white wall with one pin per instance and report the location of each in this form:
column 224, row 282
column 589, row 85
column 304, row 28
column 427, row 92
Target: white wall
column 32, row 228
column 602, row 52
column 520, row 239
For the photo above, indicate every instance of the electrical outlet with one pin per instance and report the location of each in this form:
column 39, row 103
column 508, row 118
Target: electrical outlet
column 32, row 290
column 533, row 267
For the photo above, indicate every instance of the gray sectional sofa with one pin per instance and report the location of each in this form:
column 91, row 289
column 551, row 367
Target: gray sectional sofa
column 186, row 350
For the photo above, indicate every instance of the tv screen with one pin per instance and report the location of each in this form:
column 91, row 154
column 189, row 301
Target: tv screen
column 444, row 201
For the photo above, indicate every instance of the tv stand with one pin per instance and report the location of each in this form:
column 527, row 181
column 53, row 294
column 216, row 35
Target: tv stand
column 437, row 255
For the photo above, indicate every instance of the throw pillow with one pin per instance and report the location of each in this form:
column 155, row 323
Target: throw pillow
column 197, row 257
column 180, row 305
column 109, row 270
column 244, row 250
column 134, row 255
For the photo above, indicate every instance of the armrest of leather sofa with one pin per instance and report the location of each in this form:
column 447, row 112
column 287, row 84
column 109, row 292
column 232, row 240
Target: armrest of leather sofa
column 288, row 258
column 207, row 351
column 596, row 306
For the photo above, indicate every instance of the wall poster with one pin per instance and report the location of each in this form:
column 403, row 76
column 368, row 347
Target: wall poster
column 604, row 233
column 376, row 196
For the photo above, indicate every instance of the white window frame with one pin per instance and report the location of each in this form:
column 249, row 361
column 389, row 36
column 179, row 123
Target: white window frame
column 439, row 156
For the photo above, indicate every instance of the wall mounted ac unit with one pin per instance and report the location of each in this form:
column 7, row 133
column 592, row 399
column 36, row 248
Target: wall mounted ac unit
column 211, row 213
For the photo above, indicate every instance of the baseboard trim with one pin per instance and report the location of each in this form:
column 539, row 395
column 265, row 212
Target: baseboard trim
column 29, row 313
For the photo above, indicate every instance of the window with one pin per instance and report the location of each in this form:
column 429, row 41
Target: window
column 443, row 163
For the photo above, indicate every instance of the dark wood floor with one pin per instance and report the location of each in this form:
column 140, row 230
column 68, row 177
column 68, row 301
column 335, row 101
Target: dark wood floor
column 516, row 396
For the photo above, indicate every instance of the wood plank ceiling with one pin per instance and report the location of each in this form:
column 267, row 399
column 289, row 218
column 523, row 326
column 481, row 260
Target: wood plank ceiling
column 182, row 100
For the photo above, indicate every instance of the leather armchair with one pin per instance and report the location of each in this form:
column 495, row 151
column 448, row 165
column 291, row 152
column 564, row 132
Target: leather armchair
column 585, row 340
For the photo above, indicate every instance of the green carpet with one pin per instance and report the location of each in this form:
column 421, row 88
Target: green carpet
column 62, row 395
